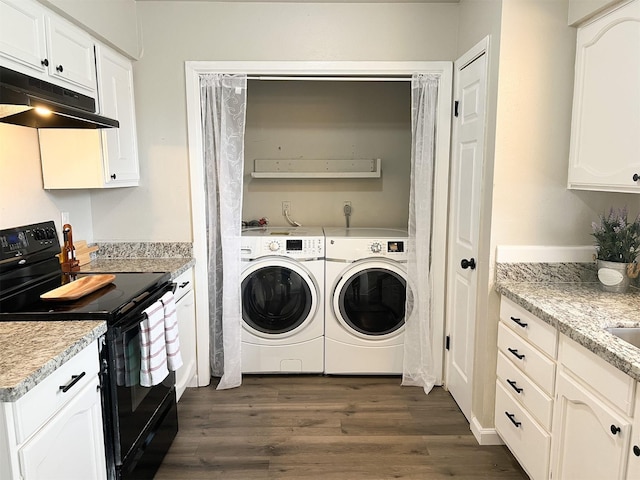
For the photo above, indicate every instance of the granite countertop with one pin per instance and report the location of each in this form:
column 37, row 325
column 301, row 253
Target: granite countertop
column 175, row 266
column 580, row 310
column 32, row 350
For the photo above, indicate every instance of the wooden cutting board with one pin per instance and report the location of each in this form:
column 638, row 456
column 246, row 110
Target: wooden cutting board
column 78, row 288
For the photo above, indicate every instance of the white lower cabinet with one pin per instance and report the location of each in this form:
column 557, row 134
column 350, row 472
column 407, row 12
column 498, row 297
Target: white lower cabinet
column 186, row 309
column 55, row 431
column 633, row 466
column 590, row 438
column 70, row 445
column 525, row 384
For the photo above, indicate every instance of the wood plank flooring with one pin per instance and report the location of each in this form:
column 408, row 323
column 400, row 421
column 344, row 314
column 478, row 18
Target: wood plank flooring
column 322, row 427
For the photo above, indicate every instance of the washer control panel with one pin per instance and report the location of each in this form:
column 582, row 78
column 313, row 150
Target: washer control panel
column 384, row 247
column 351, row 249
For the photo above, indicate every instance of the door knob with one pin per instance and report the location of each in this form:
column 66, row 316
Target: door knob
column 471, row 263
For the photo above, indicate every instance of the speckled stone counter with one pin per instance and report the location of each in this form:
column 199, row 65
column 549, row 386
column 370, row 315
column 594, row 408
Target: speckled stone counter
column 30, row 351
column 175, row 266
column 580, row 310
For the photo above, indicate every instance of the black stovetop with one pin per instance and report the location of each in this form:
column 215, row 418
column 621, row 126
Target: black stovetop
column 103, row 304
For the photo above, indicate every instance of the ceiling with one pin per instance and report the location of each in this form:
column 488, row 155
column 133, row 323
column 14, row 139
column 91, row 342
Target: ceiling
column 312, row 1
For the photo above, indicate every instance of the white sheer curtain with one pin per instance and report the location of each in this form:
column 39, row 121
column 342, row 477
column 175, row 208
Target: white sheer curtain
column 418, row 368
column 223, row 105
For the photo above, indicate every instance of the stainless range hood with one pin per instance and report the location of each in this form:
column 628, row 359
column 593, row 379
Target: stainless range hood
column 35, row 103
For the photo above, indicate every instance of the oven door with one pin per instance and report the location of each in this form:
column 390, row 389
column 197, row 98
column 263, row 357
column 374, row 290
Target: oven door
column 131, row 410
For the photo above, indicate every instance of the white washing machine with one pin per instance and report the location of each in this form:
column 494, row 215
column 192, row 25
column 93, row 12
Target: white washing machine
column 366, row 287
column 283, row 300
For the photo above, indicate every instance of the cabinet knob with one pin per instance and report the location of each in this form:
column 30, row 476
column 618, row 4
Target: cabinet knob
column 113, row 175
column 45, row 62
column 636, row 177
column 636, row 450
column 59, row 68
column 614, row 429
column 471, row 263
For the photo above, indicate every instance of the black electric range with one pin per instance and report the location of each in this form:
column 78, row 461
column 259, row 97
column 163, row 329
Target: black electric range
column 139, row 422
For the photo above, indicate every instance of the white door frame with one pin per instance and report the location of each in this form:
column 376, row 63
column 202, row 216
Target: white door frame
column 481, row 48
column 194, row 69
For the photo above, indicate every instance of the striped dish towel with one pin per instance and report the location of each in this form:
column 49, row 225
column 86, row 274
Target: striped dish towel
column 171, row 334
column 153, row 361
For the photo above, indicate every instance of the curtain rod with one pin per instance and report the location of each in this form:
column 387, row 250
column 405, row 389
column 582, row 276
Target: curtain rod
column 333, row 79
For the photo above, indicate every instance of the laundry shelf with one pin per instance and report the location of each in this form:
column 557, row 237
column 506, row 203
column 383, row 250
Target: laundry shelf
column 317, row 168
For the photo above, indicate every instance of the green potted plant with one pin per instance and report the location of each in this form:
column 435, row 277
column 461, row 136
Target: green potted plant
column 618, row 247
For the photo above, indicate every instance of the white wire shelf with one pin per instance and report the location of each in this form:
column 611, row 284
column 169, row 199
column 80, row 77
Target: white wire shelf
column 317, row 168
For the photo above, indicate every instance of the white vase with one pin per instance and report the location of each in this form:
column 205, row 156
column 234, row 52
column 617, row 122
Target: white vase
column 613, row 276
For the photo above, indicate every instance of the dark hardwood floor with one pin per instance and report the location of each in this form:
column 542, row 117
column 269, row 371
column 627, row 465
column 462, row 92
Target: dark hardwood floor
column 318, row 427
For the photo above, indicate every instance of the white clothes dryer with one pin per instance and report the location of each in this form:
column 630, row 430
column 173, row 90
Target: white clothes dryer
column 366, row 287
column 282, row 293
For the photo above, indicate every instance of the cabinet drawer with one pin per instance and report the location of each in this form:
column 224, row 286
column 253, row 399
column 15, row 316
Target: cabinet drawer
column 615, row 386
column 532, row 398
column 527, row 440
column 43, row 401
column 538, row 367
column 528, row 326
column 184, row 284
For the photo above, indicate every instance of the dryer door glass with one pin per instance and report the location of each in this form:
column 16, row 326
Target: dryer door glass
column 275, row 300
column 372, row 301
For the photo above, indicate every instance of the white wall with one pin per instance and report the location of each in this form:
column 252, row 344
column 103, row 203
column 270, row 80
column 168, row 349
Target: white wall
column 23, row 200
column 114, row 22
column 330, row 120
column 530, row 203
column 175, row 32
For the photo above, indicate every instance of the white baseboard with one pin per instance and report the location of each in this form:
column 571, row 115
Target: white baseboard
column 484, row 436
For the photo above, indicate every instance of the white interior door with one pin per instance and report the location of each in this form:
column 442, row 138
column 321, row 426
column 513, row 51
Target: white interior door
column 464, row 222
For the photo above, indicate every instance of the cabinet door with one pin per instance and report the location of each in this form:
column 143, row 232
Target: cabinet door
column 22, row 37
column 633, row 468
column 605, row 145
column 71, row 444
column 589, row 439
column 187, row 328
column 120, row 148
column 72, row 56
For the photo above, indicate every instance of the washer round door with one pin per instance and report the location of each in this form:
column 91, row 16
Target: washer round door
column 279, row 297
column 369, row 299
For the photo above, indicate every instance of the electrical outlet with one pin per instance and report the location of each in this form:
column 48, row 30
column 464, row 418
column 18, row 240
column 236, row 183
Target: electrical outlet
column 286, row 208
column 346, row 203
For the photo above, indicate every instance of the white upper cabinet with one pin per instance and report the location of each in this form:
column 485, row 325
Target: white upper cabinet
column 103, row 158
column 115, row 91
column 36, row 42
column 605, row 139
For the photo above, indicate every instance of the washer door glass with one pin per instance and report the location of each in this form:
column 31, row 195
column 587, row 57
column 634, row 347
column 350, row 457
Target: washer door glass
column 372, row 301
column 275, row 299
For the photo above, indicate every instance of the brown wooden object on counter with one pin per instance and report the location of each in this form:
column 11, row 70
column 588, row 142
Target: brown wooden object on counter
column 68, row 260
column 78, row 288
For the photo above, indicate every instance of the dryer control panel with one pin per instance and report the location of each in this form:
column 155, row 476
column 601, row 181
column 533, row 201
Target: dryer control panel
column 301, row 248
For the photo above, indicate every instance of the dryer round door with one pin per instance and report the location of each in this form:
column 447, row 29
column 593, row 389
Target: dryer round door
column 369, row 299
column 279, row 297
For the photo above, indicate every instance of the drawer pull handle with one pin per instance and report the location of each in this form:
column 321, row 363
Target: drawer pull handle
column 519, row 322
column 74, row 379
column 511, row 416
column 515, row 353
column 514, row 386
column 614, row 429
column 184, row 284
column 636, row 450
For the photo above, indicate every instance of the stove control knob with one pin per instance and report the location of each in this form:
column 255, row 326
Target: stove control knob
column 376, row 247
column 274, row 246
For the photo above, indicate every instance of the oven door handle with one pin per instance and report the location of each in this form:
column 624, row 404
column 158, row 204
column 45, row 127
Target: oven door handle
column 132, row 320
